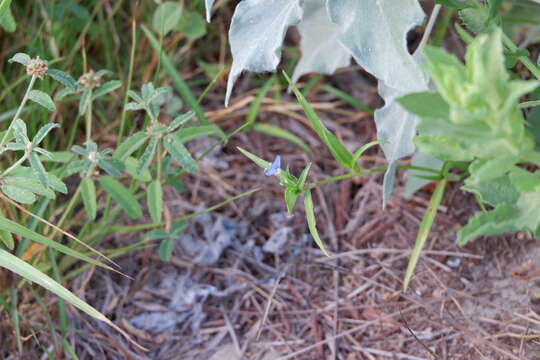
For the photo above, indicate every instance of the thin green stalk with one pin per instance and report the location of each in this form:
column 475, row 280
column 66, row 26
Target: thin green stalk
column 7, row 135
column 88, row 117
column 524, row 59
column 129, row 80
column 139, row 227
column 15, row 165
column 15, row 317
column 365, row 172
column 425, row 226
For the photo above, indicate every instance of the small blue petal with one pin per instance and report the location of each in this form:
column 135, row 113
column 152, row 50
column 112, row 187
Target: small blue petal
column 275, row 168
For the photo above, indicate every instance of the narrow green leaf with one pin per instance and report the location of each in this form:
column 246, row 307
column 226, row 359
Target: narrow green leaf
column 257, row 160
column 106, row 88
column 351, row 100
column 22, row 196
column 362, row 150
column 17, row 229
column 112, row 166
column 130, row 145
column 423, row 232
column 303, row 177
column 122, row 196
column 338, row 150
column 131, row 168
column 133, row 106
column 8, row 22
column 88, row 193
column 42, row 99
column 179, row 153
column 18, row 266
column 84, row 101
column 155, row 201
column 291, row 195
column 166, row 248
column 63, row 78
column 148, row 155
column 38, row 169
column 20, row 132
column 278, row 132
column 7, row 239
column 43, row 131
column 180, row 120
column 312, row 223
column 196, row 132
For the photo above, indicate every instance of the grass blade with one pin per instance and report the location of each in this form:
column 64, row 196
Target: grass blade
column 423, row 232
column 312, row 223
column 338, row 150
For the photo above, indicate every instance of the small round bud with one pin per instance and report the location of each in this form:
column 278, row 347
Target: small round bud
column 37, row 67
column 90, row 80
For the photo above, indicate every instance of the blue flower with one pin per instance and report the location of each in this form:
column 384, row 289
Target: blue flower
column 275, row 168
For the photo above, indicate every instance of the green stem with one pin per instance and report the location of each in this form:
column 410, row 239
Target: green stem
column 365, row 172
column 130, row 78
column 524, row 59
column 7, row 135
column 88, row 116
column 15, row 165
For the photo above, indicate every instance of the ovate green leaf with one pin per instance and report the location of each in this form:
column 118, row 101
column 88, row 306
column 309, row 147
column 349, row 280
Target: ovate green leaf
column 42, row 99
column 122, row 196
column 155, row 200
column 179, row 153
column 88, row 193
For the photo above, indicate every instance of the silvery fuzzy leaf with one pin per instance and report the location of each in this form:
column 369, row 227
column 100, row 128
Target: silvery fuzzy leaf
column 256, row 35
column 209, row 4
column 414, row 182
column 396, row 126
column 321, row 50
column 374, row 32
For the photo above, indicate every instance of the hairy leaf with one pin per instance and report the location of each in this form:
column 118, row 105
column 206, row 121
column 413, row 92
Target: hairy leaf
column 42, row 99
column 375, row 33
column 321, row 50
column 209, row 4
column 256, row 35
column 122, row 196
column 88, row 193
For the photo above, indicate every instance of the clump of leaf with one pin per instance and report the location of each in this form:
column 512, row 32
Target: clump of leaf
column 475, row 117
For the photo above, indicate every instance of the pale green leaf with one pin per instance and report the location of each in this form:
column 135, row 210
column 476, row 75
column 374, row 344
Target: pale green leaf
column 42, row 99
column 179, row 153
column 130, row 145
column 88, row 193
column 166, row 16
column 312, row 223
column 155, row 200
column 122, row 196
